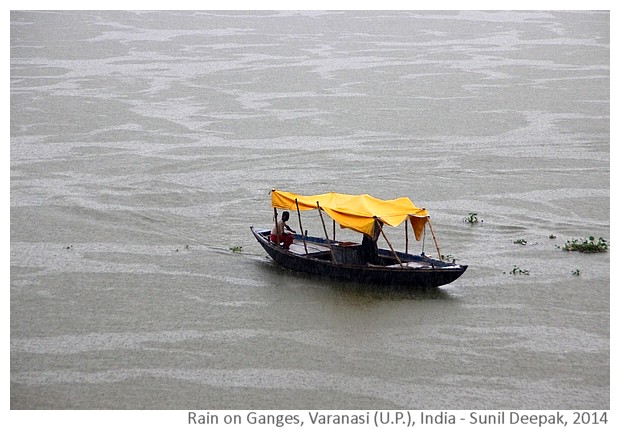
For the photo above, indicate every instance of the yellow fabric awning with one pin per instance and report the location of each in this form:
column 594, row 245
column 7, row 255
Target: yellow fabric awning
column 356, row 212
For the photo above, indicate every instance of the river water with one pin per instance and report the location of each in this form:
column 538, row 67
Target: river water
column 144, row 145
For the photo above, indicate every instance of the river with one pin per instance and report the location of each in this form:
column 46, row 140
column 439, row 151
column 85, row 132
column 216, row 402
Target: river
column 144, row 145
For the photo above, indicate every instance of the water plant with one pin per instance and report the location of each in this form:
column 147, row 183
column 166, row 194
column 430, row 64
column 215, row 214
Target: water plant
column 472, row 218
column 448, row 257
column 518, row 271
column 552, row 236
column 576, row 272
column 520, row 242
column 588, row 245
column 236, row 248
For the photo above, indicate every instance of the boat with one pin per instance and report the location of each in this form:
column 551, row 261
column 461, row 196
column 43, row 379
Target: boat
column 353, row 261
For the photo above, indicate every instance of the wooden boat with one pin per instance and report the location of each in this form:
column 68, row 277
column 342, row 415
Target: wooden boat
column 349, row 261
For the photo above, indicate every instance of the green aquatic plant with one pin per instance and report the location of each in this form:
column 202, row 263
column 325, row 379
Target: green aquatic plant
column 518, row 271
column 576, row 272
column 472, row 218
column 236, row 248
column 448, row 257
column 520, row 242
column 552, row 236
column 588, row 245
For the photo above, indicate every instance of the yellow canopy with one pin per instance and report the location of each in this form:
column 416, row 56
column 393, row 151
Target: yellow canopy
column 356, row 212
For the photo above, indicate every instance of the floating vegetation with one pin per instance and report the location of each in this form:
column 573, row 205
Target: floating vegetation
column 588, row 245
column 236, row 248
column 520, row 242
column 552, row 236
column 472, row 218
column 448, row 257
column 518, row 271
column 576, row 272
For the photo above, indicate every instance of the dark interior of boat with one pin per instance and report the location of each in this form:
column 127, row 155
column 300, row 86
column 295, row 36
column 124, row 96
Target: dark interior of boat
column 346, row 253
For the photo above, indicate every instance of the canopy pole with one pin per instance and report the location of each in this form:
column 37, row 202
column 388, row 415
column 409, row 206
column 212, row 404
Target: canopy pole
column 334, row 229
column 388, row 242
column 301, row 229
column 318, row 206
column 434, row 238
column 275, row 220
column 407, row 236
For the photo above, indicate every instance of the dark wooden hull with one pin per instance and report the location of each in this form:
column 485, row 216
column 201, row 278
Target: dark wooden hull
column 420, row 272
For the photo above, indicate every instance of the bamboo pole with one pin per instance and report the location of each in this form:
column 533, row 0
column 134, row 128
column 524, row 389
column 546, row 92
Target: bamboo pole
column 434, row 238
column 388, row 242
column 318, row 206
column 407, row 236
column 301, row 229
column 275, row 220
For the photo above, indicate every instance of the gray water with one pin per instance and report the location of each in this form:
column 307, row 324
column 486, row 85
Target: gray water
column 144, row 145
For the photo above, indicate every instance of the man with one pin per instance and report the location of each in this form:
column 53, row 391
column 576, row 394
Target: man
column 370, row 250
column 278, row 235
